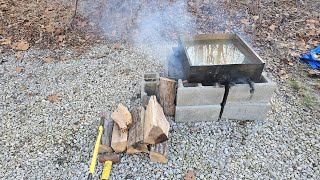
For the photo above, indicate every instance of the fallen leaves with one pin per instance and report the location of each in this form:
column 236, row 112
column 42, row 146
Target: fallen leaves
column 19, row 69
column 255, row 18
column 295, row 54
column 53, row 98
column 22, row 45
column 314, row 73
column 245, row 21
column 190, row 175
column 273, row 27
column 48, row 59
column 312, row 21
column 117, row 46
column 5, row 41
column 18, row 56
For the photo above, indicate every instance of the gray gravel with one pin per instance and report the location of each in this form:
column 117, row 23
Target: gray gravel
column 44, row 140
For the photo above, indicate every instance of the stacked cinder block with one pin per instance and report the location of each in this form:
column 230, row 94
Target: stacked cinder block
column 203, row 103
column 198, row 103
column 243, row 105
column 149, row 87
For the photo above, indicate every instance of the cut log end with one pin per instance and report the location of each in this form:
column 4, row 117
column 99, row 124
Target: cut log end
column 158, row 158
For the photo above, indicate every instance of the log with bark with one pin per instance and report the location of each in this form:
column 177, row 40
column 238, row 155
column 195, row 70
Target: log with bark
column 159, row 152
column 122, row 117
column 105, row 146
column 168, row 91
column 119, row 139
column 156, row 126
column 135, row 135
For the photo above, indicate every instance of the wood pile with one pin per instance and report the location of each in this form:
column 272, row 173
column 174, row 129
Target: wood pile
column 141, row 130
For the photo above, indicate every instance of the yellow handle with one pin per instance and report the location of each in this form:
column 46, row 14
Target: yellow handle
column 106, row 170
column 95, row 151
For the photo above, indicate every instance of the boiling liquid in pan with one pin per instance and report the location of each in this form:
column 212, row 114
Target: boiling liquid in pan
column 215, row 53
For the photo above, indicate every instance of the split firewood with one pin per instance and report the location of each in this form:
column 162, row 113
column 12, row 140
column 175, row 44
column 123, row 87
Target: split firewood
column 122, row 117
column 105, row 146
column 159, row 152
column 135, row 138
column 137, row 148
column 119, row 139
column 156, row 126
column 167, row 90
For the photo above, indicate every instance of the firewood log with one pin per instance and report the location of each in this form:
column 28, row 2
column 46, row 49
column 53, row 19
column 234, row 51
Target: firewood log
column 168, row 91
column 122, row 117
column 159, row 152
column 105, row 146
column 156, row 126
column 119, row 139
column 135, row 138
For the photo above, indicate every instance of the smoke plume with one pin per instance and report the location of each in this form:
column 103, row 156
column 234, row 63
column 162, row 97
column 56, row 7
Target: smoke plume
column 153, row 26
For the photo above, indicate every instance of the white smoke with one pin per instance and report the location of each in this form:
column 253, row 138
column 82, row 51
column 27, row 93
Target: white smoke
column 151, row 25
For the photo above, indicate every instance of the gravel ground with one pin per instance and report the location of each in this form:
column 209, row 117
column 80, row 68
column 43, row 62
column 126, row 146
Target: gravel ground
column 45, row 140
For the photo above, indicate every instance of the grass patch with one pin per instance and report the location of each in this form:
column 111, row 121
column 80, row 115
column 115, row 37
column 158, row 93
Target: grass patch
column 309, row 101
column 294, row 84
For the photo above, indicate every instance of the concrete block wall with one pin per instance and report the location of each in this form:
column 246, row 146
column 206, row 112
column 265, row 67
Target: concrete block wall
column 243, row 105
column 194, row 101
column 196, row 94
column 246, row 111
column 197, row 113
column 262, row 93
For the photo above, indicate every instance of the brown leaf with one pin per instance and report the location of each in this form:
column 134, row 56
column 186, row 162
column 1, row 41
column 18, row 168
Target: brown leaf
column 53, row 98
column 255, row 18
column 63, row 58
column 82, row 23
column 245, row 21
column 22, row 45
column 19, row 56
column 48, row 59
column 19, row 69
column 312, row 21
column 312, row 32
column 49, row 28
column 314, row 73
column 61, row 38
column 191, row 175
column 117, row 46
column 6, row 41
column 273, row 27
column 194, row 129
column 295, row 54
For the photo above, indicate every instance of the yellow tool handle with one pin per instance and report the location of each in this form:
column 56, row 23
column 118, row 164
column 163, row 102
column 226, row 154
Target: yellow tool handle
column 95, row 151
column 106, row 170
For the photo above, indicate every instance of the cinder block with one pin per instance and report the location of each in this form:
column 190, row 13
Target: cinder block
column 197, row 113
column 263, row 91
column 197, row 95
column 246, row 111
column 149, row 87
